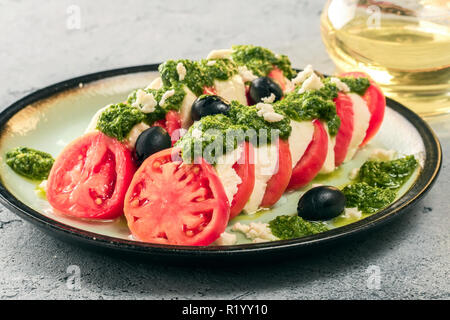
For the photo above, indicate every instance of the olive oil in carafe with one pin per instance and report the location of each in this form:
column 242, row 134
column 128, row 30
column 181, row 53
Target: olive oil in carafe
column 408, row 57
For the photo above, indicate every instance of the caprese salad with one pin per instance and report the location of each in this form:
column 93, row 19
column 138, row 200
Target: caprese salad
column 228, row 135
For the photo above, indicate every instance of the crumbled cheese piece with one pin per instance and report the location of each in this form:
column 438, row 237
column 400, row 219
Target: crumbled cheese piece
column 226, row 239
column 211, row 63
column 354, row 173
column 303, row 75
column 266, row 111
column 220, row 54
column 269, row 99
column 352, row 213
column 246, row 74
column 312, row 83
column 166, row 96
column 382, row 154
column 146, row 102
column 315, row 185
column 342, row 86
column 181, row 70
column 255, row 231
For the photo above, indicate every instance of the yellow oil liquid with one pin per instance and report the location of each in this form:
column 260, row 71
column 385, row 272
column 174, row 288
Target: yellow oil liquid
column 408, row 57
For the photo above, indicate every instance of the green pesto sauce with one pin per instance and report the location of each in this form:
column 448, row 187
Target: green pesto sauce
column 261, row 60
column 312, row 104
column 193, row 78
column 290, row 227
column 30, row 163
column 387, row 174
column 366, row 198
column 222, row 69
column 247, row 117
column 242, row 123
column 213, row 131
column 198, row 73
column 172, row 103
column 356, row 85
column 118, row 120
column 377, row 182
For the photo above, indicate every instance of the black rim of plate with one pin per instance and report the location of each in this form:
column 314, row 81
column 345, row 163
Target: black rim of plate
column 423, row 184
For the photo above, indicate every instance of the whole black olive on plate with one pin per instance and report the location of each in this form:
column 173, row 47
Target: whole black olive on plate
column 321, row 203
column 208, row 105
column 263, row 87
column 150, row 141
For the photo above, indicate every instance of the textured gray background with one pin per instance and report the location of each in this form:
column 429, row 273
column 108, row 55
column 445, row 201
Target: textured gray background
column 36, row 50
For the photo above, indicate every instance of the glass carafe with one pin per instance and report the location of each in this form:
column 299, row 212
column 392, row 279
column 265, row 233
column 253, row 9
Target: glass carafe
column 403, row 45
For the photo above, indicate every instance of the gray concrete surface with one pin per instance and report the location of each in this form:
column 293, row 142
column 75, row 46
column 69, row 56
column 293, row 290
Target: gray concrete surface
column 37, row 49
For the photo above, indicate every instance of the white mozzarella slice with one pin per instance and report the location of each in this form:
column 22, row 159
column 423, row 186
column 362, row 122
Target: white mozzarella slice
column 185, row 109
column 227, row 175
column 266, row 165
column 299, row 140
column 93, row 124
column 328, row 165
column 135, row 132
column 220, row 54
column 231, row 89
column 155, row 84
column 361, row 118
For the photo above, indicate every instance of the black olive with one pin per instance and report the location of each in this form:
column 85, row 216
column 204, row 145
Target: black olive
column 150, row 141
column 263, row 87
column 208, row 105
column 321, row 203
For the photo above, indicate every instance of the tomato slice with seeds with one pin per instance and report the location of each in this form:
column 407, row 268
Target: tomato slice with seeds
column 344, row 109
column 245, row 169
column 278, row 183
column 312, row 160
column 171, row 202
column 376, row 102
column 90, row 177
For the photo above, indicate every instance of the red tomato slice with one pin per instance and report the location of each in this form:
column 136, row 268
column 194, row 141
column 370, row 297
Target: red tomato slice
column 171, row 202
column 90, row 177
column 245, row 169
column 376, row 102
column 277, row 75
column 312, row 160
column 160, row 123
column 344, row 108
column 173, row 124
column 279, row 181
